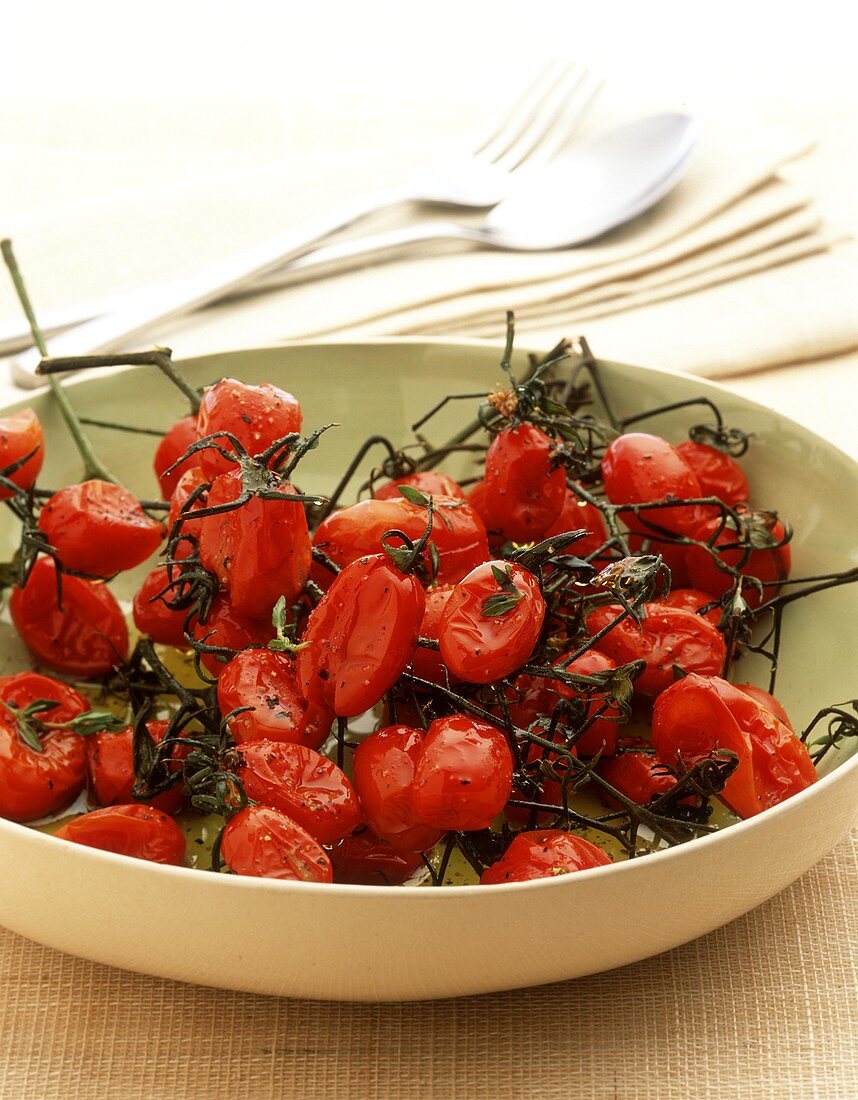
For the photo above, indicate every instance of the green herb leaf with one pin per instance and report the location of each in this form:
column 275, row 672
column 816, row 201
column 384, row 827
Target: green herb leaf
column 501, row 603
column 413, row 495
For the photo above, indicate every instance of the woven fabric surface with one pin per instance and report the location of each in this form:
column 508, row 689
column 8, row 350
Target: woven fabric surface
column 758, row 1009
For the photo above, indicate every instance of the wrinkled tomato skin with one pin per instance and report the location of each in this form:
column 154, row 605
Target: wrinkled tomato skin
column 575, row 515
column 139, row 831
column 640, row 776
column 302, row 783
column 267, row 682
column 265, row 843
column 463, row 776
column 364, row 860
column 768, row 701
column 259, row 551
column 539, row 696
column 481, row 648
column 771, row 566
column 427, row 663
column 360, row 636
column 523, row 495
column 20, row 435
column 35, row 784
column 99, row 528
column 356, row 531
column 255, row 415
column 702, row 713
column 189, row 481
column 692, row 599
column 544, row 853
column 225, row 627
column 171, row 448
column 383, row 767
column 110, row 770
column 431, row 482
column 668, row 636
column 718, row 474
column 639, row 469
column 86, row 636
column 153, row 617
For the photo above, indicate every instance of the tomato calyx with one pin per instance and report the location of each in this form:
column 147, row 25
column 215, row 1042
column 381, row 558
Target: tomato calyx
column 409, row 557
column 32, row 728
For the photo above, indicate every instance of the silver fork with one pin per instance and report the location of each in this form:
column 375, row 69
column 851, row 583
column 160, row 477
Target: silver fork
column 477, row 176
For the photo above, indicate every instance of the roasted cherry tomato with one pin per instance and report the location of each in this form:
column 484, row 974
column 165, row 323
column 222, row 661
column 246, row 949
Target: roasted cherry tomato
column 267, row 683
column 364, row 860
column 360, row 636
column 383, row 768
column 110, row 769
column 667, row 637
column 256, row 415
column 457, row 532
column 171, row 448
column 84, row 634
column 702, row 713
column 544, row 853
column 153, row 617
column 188, row 483
column 225, row 628
column 259, row 551
column 642, row 469
column 265, row 843
column 35, row 784
column 523, row 493
column 718, row 473
column 427, row 663
column 636, row 773
column 537, row 696
column 300, row 782
column 768, row 701
column 491, row 622
column 691, row 599
column 463, row 776
column 99, row 528
column 431, row 482
column 574, row 515
column 139, row 831
column 672, row 553
column 20, row 436
column 770, row 565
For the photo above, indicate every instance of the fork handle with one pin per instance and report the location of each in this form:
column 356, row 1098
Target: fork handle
column 155, row 305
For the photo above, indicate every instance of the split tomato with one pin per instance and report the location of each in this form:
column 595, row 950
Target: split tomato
column 265, row 843
column 142, row 832
column 544, row 853
column 524, row 491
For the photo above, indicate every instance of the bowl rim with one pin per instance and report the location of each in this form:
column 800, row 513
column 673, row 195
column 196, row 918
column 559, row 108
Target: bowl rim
column 839, row 774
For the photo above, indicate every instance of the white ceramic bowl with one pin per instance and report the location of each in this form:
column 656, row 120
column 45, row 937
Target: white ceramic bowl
column 367, row 943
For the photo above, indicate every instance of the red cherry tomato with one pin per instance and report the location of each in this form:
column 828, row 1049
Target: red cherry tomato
column 488, row 629
column 267, row 682
column 769, row 565
column 575, row 514
column 259, row 551
column 35, row 784
column 539, row 696
column 639, row 775
column 691, row 599
column 225, row 627
column 719, row 475
column 354, row 532
column 427, row 663
column 142, row 832
column 84, row 635
column 110, row 769
column 360, row 636
column 364, row 860
column 640, row 469
column 702, row 713
column 255, row 415
column 431, row 482
column 544, row 853
column 266, row 843
column 153, row 617
column 384, row 766
column 189, row 481
column 523, row 494
column 463, row 776
column 99, row 528
column 171, row 448
column 668, row 636
column 300, row 782
column 768, row 701
column 20, row 435
column 476, row 497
